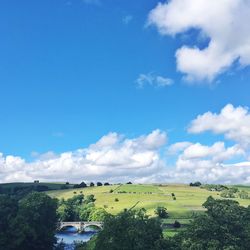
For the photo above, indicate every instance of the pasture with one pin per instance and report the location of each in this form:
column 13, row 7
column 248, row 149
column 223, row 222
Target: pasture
column 188, row 199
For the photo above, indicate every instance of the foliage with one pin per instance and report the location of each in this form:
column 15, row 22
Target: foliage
column 98, row 184
column 116, row 199
column 130, row 230
column 98, row 214
column 225, row 225
column 29, row 223
column 90, row 198
column 195, row 184
column 243, row 195
column 214, row 187
column 81, row 185
column 85, row 211
column 161, row 212
column 229, row 193
column 77, row 208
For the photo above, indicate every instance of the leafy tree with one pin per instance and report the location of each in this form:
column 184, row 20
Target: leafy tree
column 90, row 198
column 228, row 193
column 38, row 212
column 98, row 184
column 225, row 225
column 29, row 223
column 243, row 195
column 8, row 211
column 161, row 212
column 69, row 210
column 91, row 184
column 66, row 212
column 76, row 200
column 85, row 211
column 98, row 214
column 130, row 230
column 82, row 185
column 195, row 184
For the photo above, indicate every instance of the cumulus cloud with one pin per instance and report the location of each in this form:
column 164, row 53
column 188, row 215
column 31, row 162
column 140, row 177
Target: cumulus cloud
column 116, row 158
column 153, row 80
column 113, row 158
column 233, row 122
column 178, row 147
column 207, row 164
column 226, row 25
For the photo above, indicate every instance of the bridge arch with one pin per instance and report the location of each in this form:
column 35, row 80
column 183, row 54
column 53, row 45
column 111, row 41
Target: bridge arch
column 92, row 225
column 63, row 228
column 80, row 225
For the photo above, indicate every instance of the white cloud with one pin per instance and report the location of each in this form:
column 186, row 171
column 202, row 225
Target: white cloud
column 206, row 164
column 115, row 158
column 233, row 122
column 225, row 23
column 153, row 80
column 112, row 158
column 177, row 147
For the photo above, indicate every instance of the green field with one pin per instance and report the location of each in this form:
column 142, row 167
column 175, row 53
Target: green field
column 189, row 200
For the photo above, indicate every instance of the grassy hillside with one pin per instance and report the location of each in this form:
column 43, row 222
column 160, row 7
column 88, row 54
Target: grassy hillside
column 188, row 199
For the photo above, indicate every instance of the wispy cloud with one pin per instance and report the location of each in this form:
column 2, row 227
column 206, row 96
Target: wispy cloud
column 127, row 19
column 153, row 80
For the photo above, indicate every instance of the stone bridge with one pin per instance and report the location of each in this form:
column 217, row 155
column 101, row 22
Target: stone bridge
column 79, row 225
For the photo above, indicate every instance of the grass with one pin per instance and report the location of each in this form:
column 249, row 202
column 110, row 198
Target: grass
column 188, row 201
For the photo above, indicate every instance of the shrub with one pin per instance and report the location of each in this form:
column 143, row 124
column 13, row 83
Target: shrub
column 116, row 199
column 90, row 198
column 243, row 195
column 161, row 212
column 195, row 184
column 230, row 193
column 177, row 224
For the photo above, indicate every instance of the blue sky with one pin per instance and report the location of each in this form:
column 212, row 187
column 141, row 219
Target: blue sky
column 69, row 75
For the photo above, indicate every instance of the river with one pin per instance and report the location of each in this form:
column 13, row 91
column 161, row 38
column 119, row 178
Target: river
column 70, row 234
